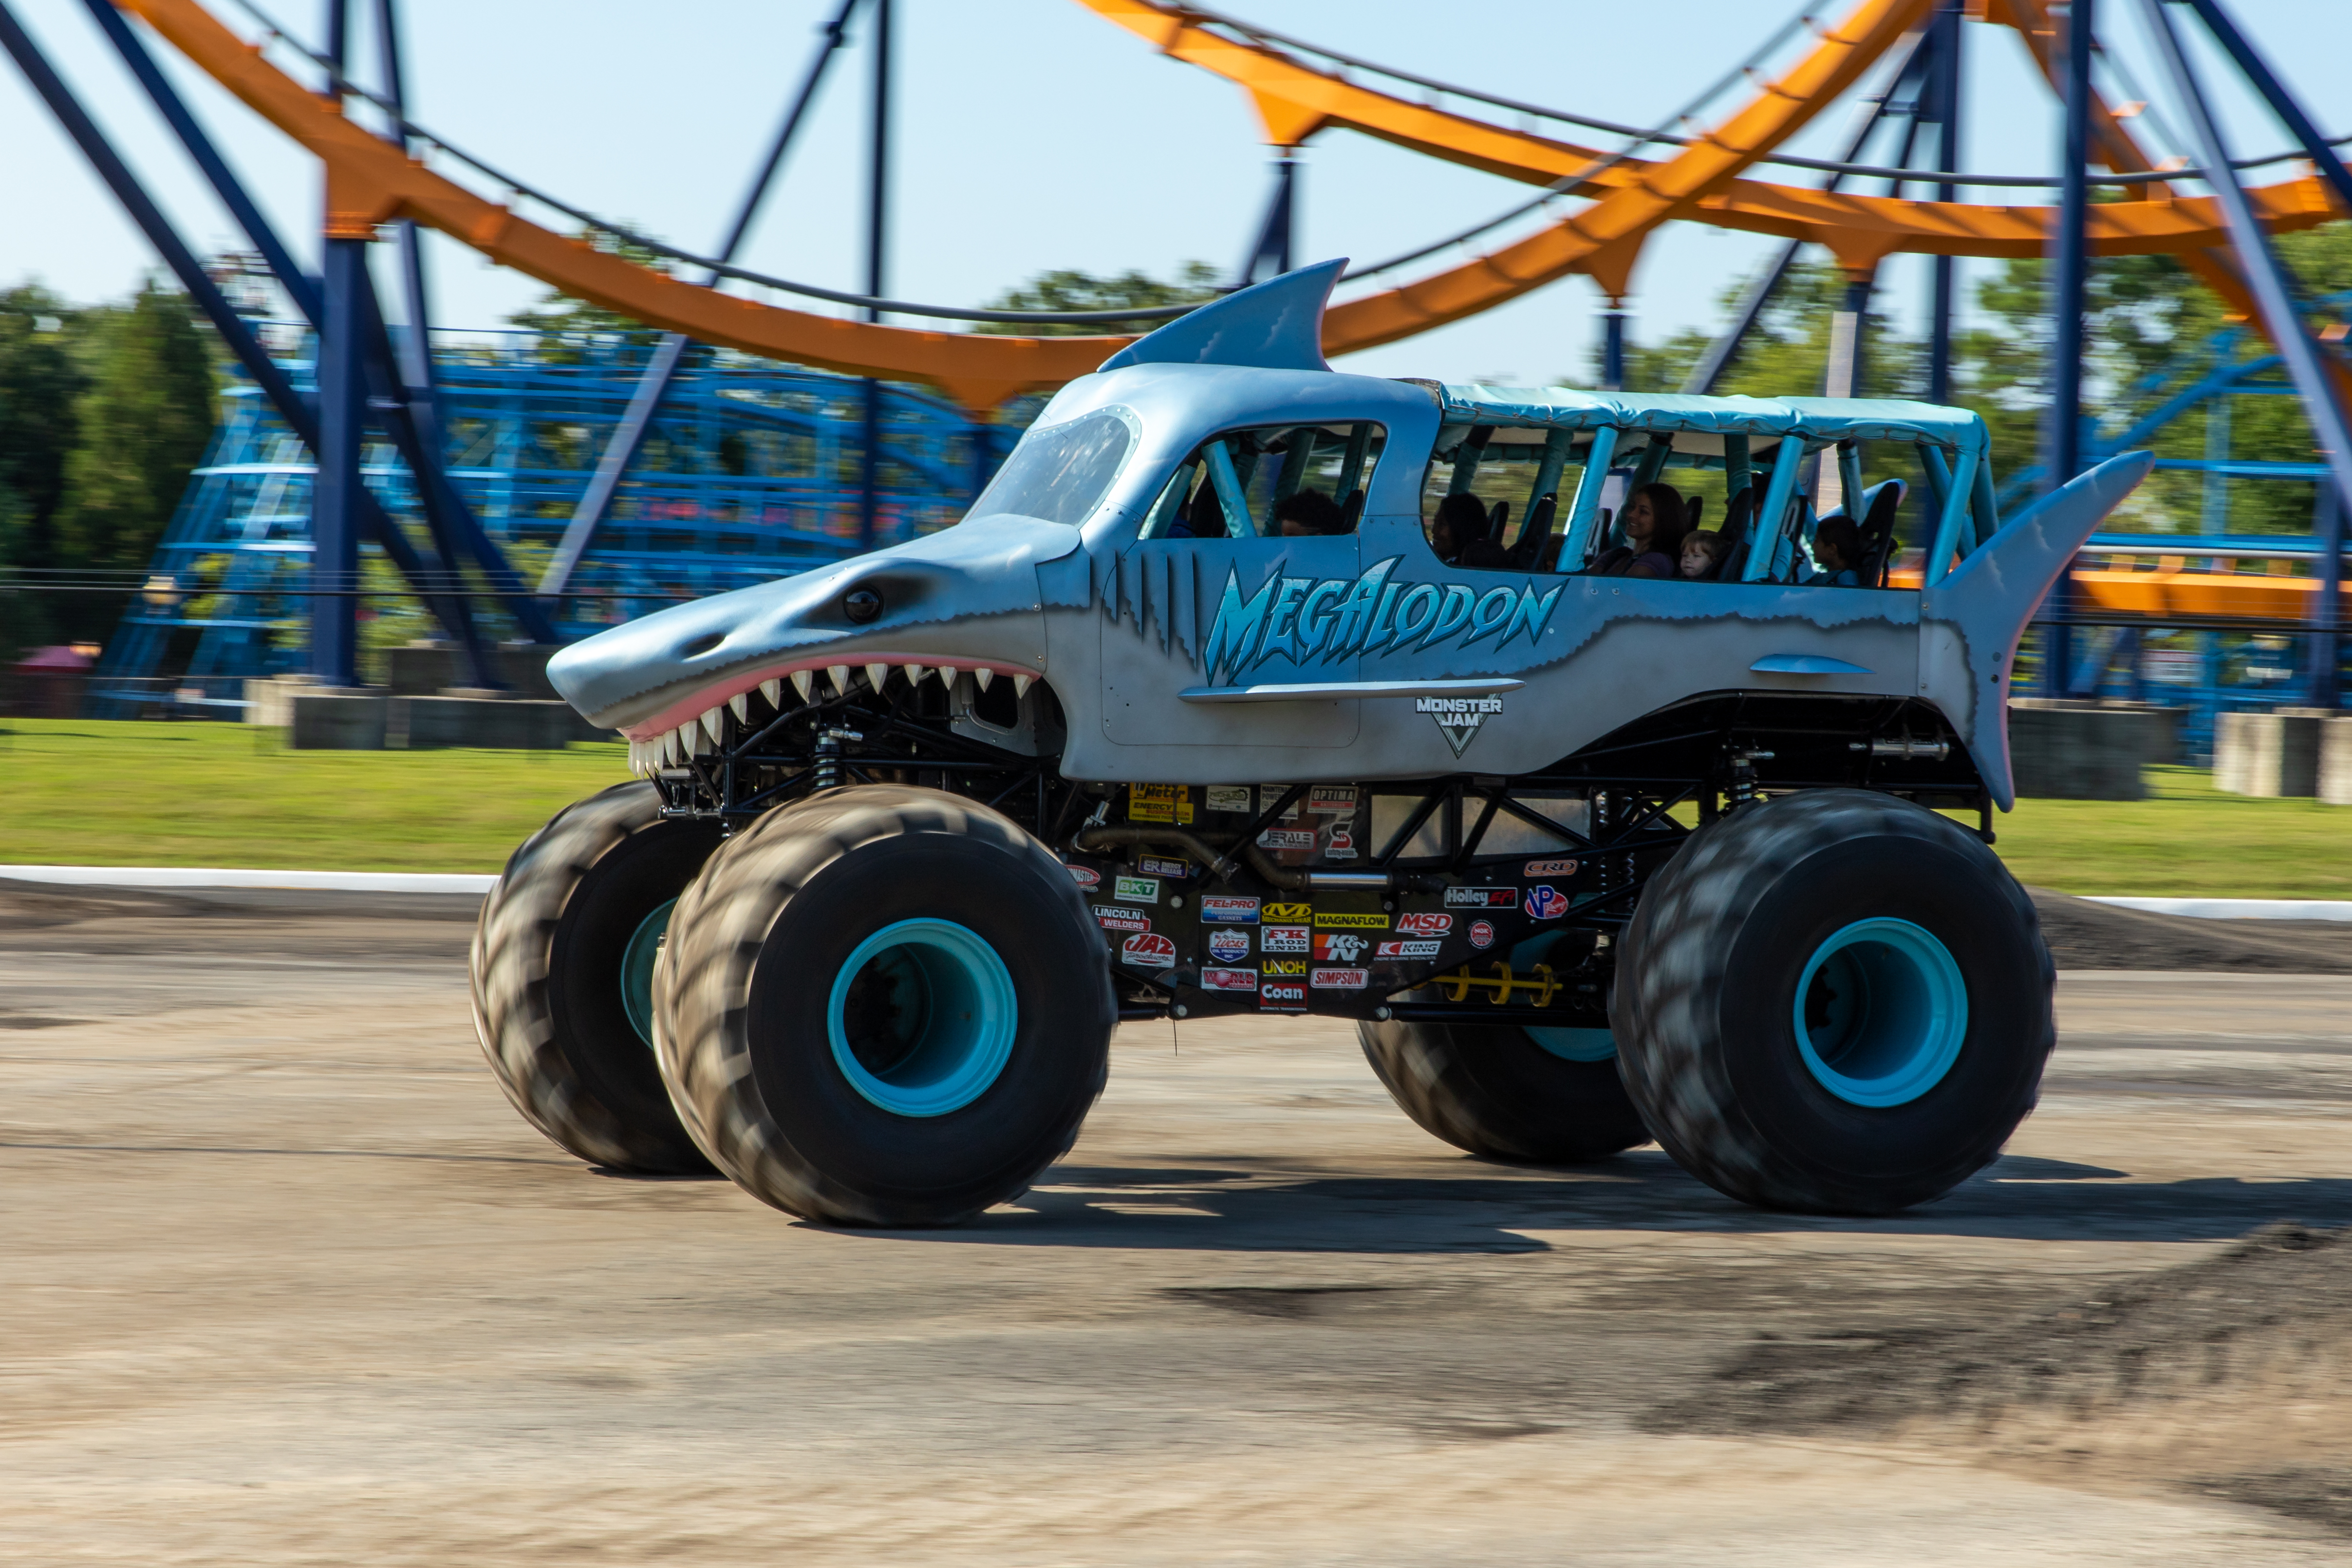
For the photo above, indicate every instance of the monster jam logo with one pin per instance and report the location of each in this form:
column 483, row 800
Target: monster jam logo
column 1306, row 619
column 1458, row 718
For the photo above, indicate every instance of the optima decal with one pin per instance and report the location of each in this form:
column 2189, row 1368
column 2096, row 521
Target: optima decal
column 1314, row 619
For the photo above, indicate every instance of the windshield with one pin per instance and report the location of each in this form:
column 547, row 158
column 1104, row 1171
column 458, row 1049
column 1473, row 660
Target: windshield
column 1059, row 473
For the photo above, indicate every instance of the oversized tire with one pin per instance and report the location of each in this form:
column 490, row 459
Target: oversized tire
column 1834, row 1003
column 562, row 976
column 1505, row 1093
column 884, row 1006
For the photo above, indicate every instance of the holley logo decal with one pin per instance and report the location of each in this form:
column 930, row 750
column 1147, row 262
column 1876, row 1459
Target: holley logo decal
column 1308, row 619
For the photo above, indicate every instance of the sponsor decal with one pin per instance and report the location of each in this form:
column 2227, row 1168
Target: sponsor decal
column 1548, row 869
column 1481, row 898
column 1459, row 718
column 1147, row 950
column 1178, row 869
column 1228, row 798
column 1339, row 946
column 1341, row 979
column 1424, row 922
column 1326, row 920
column 1285, row 996
column 1310, row 620
column 1332, row 800
column 1085, row 877
column 1137, row 890
column 1286, row 838
column 1158, row 803
column 1232, row 911
column 1342, row 845
column 1269, row 795
column 1282, row 939
column 1287, row 912
column 1229, row 946
column 1116, row 918
column 1481, row 934
column 1545, row 902
column 1229, row 980
column 1424, row 948
column 1282, row 966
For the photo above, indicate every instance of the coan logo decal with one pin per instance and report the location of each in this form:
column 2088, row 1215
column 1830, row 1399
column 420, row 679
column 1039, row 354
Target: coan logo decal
column 1308, row 619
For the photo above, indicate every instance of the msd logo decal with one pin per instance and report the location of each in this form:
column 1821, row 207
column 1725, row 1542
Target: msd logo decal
column 1339, row 946
column 1424, row 923
column 1308, row 619
column 1229, row 946
column 1149, row 951
column 1229, row 980
column 1481, row 898
column 1229, row 909
column 1546, row 903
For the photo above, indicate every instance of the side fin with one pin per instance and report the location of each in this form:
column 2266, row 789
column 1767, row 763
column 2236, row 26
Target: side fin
column 1969, row 623
column 1273, row 325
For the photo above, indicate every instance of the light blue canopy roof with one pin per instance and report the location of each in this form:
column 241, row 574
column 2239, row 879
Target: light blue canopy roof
column 1820, row 420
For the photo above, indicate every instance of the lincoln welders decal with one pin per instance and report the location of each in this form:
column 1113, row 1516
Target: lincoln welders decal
column 1311, row 619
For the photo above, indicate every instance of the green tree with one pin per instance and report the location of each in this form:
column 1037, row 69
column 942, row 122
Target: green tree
column 40, row 385
column 1195, row 283
column 564, row 326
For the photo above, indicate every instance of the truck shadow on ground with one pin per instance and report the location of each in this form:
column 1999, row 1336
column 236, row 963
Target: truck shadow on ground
column 1464, row 1206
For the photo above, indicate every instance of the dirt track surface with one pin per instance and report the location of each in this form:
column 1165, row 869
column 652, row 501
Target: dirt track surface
column 286, row 1281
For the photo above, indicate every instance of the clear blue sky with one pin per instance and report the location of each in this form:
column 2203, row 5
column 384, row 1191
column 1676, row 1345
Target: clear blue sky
column 1031, row 136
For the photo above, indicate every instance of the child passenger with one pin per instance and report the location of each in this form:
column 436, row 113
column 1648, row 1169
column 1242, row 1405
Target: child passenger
column 1702, row 552
column 1837, row 547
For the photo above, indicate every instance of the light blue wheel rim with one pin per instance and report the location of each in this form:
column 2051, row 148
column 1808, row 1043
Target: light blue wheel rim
column 637, row 971
column 950, row 1022
column 1575, row 1045
column 1880, row 1013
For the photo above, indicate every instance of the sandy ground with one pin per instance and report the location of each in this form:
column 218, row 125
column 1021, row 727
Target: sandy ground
column 284, row 1280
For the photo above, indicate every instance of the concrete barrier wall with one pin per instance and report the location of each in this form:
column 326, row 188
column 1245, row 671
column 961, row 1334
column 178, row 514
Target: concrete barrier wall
column 2272, row 755
column 2336, row 761
column 330, row 719
column 2064, row 749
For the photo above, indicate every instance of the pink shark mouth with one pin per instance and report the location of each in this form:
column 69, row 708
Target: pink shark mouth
column 692, row 725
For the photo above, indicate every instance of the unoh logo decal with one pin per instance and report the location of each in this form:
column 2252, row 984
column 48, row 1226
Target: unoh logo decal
column 1308, row 619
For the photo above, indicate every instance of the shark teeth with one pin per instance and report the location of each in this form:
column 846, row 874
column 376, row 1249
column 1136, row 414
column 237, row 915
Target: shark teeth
column 804, row 682
column 980, row 677
column 713, row 725
column 916, row 674
column 741, row 706
column 876, row 674
column 839, row 675
column 773, row 690
column 1020, row 686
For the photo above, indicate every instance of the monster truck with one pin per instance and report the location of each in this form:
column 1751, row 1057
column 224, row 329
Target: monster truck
column 1591, row 859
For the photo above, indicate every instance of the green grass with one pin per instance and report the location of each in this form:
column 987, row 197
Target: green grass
column 92, row 794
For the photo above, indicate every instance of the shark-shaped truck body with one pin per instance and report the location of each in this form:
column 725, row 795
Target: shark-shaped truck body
column 1188, row 716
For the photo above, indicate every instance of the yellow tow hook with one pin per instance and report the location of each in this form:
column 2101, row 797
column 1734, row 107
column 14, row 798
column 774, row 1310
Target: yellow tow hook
column 1456, row 987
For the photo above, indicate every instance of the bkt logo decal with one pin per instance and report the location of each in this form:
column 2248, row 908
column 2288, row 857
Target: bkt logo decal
column 1308, row 619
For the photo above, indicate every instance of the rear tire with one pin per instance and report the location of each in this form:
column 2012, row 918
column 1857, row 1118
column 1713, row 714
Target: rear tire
column 1835, row 1002
column 884, row 1006
column 551, row 976
column 1495, row 1091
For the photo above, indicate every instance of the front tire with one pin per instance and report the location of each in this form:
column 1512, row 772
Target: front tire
column 1502, row 1093
column 884, row 1006
column 1835, row 1002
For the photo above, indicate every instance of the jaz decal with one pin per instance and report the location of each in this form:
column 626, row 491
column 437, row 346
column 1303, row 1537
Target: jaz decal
column 1328, row 920
column 1137, row 890
column 1228, row 798
column 1287, row 912
column 1177, row 870
column 1341, row 979
column 1231, row 911
column 1283, row 996
column 1339, row 946
column 1149, row 951
column 1114, row 918
column 1286, row 838
column 1282, row 939
column 1548, row 869
column 1085, row 877
column 1481, row 898
column 1459, row 718
column 1482, row 935
column 1283, row 966
column 1229, row 946
column 1546, row 903
column 1425, row 948
column 1424, row 922
column 1309, row 620
column 1229, row 980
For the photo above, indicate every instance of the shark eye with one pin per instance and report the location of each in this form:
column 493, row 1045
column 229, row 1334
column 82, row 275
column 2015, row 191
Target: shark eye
column 862, row 606
column 701, row 646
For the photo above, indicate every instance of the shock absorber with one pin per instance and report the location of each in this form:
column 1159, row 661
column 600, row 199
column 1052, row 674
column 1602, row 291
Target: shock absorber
column 828, row 756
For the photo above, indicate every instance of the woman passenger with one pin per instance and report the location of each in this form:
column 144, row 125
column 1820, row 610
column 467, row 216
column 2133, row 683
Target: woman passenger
column 1654, row 524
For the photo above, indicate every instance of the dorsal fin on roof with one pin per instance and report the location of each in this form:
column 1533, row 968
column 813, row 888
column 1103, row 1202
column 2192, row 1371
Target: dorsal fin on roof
column 1273, row 325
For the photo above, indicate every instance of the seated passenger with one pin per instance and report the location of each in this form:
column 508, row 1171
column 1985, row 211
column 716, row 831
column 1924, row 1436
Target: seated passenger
column 1702, row 554
column 1459, row 532
column 1653, row 525
column 1837, row 548
column 1308, row 513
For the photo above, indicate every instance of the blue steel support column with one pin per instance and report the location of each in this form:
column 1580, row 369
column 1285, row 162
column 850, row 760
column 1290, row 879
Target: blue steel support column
column 1944, row 40
column 2327, row 613
column 2069, row 266
column 1612, row 349
column 336, row 490
column 877, row 205
column 1270, row 251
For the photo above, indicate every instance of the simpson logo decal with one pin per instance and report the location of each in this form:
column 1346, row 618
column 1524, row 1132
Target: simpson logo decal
column 1282, row 939
column 1339, row 946
column 1331, row 800
column 1179, row 870
column 1282, row 966
column 1481, row 934
column 1215, row 907
column 1342, row 845
column 1546, row 903
column 1287, row 912
column 1420, row 922
column 1149, row 951
column 1548, row 869
column 1230, row 797
column 1158, row 803
column 1137, row 890
column 1286, row 838
column 1458, row 718
column 1229, row 946
column 1326, row 920
column 1311, row 620
column 1085, row 877
column 1285, row 996
column 1229, row 980
column 1114, row 918
column 1341, row 979
column 1424, row 949
column 1481, row 898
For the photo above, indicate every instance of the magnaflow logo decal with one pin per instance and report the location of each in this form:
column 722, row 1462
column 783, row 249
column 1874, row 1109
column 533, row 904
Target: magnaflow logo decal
column 1458, row 718
column 1306, row 619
